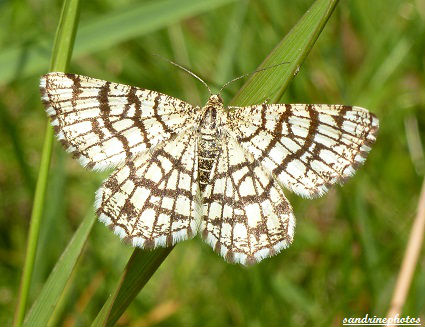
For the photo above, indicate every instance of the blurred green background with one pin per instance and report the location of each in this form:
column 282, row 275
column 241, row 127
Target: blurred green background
column 348, row 245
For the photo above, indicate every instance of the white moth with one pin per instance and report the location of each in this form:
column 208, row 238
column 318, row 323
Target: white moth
column 181, row 170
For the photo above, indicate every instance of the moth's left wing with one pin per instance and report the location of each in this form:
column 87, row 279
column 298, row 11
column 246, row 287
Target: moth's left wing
column 103, row 123
column 307, row 147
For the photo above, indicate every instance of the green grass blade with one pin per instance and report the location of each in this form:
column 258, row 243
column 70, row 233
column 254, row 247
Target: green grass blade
column 294, row 47
column 230, row 45
column 43, row 307
column 293, row 294
column 368, row 242
column 138, row 20
column 178, row 44
column 140, row 268
column 8, row 125
column 116, row 27
column 60, row 58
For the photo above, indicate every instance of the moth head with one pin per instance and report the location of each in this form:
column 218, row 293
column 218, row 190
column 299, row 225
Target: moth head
column 215, row 100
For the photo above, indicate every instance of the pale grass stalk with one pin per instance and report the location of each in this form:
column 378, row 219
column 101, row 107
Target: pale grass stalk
column 158, row 314
column 410, row 259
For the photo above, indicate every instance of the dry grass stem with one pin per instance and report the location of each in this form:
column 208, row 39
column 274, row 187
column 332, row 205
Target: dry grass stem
column 410, row 259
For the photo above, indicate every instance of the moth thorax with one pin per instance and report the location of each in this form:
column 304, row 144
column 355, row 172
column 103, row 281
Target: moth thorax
column 215, row 100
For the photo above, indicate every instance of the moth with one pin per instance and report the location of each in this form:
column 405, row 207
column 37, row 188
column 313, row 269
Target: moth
column 181, row 170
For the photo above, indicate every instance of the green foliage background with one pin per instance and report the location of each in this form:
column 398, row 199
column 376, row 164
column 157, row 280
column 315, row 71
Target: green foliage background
column 348, row 245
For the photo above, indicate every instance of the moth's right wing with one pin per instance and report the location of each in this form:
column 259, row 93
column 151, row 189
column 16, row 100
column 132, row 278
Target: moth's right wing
column 104, row 124
column 154, row 199
column 246, row 216
column 308, row 147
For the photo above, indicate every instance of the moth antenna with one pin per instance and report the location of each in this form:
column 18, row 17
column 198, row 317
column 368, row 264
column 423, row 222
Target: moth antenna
column 186, row 70
column 251, row 73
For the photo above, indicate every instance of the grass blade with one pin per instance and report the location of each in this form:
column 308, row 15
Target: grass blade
column 49, row 296
column 140, row 268
column 230, row 45
column 138, row 20
column 116, row 27
column 60, row 58
column 294, row 48
column 273, row 82
column 8, row 124
column 181, row 56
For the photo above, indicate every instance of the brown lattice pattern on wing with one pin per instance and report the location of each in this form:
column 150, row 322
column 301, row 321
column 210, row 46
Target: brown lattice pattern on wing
column 154, row 200
column 104, row 124
column 307, row 147
column 246, row 215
